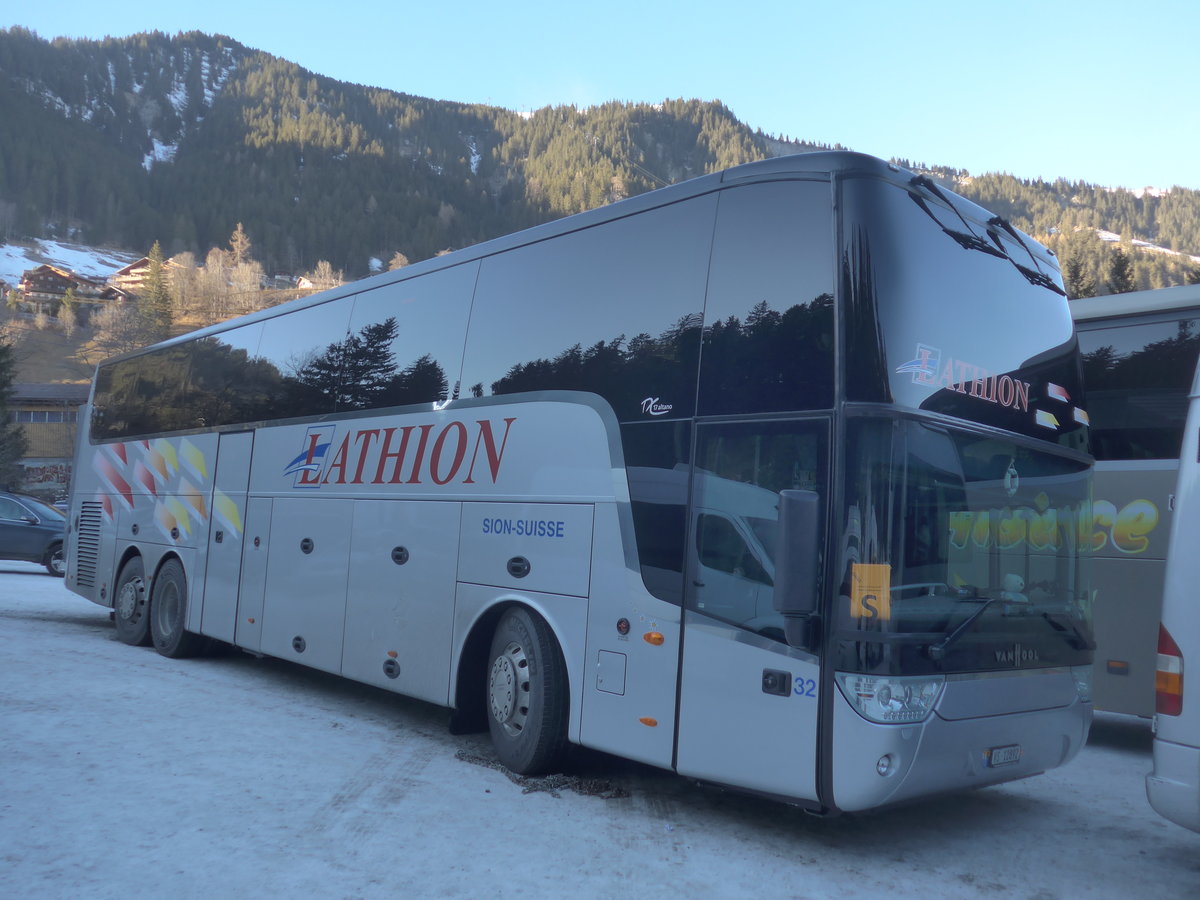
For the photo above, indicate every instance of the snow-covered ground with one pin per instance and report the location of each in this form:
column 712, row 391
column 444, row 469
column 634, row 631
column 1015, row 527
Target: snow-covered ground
column 124, row 774
column 90, row 261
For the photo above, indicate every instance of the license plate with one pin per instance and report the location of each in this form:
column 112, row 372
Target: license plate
column 1003, row 756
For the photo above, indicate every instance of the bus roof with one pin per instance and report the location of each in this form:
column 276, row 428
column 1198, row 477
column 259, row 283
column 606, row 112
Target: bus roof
column 819, row 163
column 1136, row 303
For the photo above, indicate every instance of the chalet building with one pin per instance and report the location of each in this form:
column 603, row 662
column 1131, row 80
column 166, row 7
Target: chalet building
column 49, row 416
column 131, row 278
column 44, row 288
column 116, row 295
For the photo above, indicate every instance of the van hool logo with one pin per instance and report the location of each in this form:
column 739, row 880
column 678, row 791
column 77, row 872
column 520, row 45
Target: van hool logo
column 1018, row 655
column 459, row 452
column 654, row 407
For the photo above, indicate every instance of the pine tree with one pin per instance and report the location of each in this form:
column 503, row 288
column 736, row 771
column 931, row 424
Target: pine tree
column 1119, row 273
column 154, row 299
column 1076, row 279
column 12, row 438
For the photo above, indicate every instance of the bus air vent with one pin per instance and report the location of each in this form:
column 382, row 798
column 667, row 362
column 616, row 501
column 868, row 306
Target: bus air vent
column 87, row 544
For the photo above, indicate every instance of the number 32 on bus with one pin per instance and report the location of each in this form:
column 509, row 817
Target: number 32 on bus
column 775, row 478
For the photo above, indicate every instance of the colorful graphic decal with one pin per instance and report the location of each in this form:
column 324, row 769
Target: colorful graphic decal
column 171, row 475
column 1127, row 529
column 1043, row 527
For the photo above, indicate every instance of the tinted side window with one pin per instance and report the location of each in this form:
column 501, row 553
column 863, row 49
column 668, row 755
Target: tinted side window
column 1137, row 379
column 229, row 382
column 307, row 348
column 768, row 320
column 740, row 470
column 277, row 369
column 143, row 395
column 406, row 340
column 656, row 462
column 613, row 309
column 11, row 509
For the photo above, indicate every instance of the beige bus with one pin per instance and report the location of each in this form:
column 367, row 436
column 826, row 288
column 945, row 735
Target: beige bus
column 1139, row 352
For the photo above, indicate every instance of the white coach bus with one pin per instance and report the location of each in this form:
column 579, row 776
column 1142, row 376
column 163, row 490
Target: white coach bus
column 439, row 481
column 1174, row 785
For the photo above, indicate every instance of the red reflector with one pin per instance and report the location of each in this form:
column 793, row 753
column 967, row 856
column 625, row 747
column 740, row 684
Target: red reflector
column 1168, row 677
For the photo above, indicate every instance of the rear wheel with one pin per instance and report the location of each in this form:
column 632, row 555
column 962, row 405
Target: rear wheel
column 527, row 694
column 131, row 609
column 56, row 561
column 168, row 613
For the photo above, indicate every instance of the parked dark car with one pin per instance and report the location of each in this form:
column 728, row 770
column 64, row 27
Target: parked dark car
column 32, row 531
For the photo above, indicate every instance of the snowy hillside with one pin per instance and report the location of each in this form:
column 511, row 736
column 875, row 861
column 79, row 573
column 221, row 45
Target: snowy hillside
column 89, row 261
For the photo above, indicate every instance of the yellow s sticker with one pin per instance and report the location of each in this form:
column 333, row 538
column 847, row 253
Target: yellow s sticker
column 871, row 591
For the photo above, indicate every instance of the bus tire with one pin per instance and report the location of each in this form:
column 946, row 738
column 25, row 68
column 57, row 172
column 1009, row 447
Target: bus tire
column 131, row 606
column 168, row 613
column 527, row 694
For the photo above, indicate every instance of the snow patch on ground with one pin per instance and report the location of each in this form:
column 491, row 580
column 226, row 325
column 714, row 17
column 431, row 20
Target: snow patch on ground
column 92, row 262
column 243, row 777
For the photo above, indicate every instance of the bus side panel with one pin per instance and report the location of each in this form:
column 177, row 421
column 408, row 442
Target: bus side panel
column 1128, row 597
column 225, row 532
column 400, row 604
column 544, row 547
column 628, row 679
column 1130, row 533
column 732, row 728
column 304, row 609
column 252, row 592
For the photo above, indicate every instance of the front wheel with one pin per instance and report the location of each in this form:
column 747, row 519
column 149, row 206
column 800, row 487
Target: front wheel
column 56, row 561
column 168, row 613
column 527, row 694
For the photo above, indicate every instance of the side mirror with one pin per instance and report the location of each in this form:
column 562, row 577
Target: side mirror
column 797, row 561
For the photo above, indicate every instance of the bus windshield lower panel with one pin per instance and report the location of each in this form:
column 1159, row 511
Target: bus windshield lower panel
column 961, row 552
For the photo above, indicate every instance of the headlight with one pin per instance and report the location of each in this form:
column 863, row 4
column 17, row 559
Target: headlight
column 891, row 701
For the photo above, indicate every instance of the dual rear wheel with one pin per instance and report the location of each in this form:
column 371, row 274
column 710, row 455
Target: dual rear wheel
column 154, row 613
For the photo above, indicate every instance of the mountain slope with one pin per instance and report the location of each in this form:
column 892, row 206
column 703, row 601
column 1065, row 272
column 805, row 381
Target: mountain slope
column 177, row 139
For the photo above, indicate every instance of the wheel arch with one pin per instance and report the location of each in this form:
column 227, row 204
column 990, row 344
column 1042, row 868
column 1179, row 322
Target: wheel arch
column 130, row 552
column 162, row 561
column 468, row 699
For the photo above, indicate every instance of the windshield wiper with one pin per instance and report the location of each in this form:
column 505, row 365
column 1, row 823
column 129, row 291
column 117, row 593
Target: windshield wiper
column 992, row 245
column 938, row 650
column 1063, row 622
column 1034, row 275
column 967, row 239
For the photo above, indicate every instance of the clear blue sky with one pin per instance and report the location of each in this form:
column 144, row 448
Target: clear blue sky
column 1096, row 90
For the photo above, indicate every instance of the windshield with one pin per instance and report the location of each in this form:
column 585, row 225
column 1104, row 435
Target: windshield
column 961, row 552
column 955, row 313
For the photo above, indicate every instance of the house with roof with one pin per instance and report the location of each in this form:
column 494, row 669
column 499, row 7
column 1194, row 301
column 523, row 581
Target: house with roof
column 43, row 288
column 130, row 279
column 49, row 416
